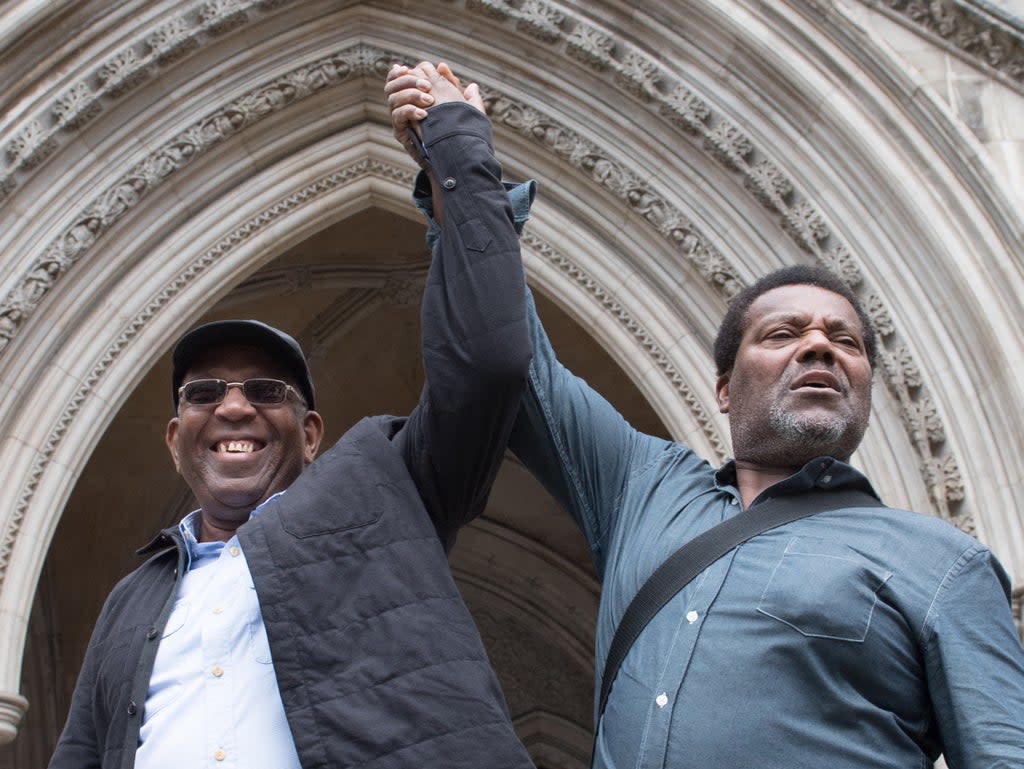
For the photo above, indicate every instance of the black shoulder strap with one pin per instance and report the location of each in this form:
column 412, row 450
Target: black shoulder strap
column 702, row 551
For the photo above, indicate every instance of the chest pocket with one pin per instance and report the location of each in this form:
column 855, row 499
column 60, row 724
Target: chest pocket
column 823, row 590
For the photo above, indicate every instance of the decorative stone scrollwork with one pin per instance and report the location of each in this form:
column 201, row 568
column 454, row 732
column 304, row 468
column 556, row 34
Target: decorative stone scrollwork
column 32, row 146
column 220, row 16
column 729, row 145
column 590, row 46
column 113, row 203
column 769, row 185
column 540, row 20
column 686, row 110
column 841, row 261
column 172, row 41
column 804, row 222
column 76, row 107
column 971, row 30
column 639, row 75
column 123, row 72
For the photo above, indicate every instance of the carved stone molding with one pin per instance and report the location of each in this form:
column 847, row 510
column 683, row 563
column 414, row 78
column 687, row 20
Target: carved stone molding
column 39, row 135
column 239, row 235
column 641, row 336
column 114, row 203
column 964, row 28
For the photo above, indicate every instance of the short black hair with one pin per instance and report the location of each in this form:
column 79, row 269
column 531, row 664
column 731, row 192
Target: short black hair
column 730, row 332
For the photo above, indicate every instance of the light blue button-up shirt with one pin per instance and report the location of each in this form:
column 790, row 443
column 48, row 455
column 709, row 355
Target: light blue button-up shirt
column 213, row 699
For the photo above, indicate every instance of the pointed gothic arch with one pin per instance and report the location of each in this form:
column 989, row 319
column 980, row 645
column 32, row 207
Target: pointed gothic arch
column 161, row 157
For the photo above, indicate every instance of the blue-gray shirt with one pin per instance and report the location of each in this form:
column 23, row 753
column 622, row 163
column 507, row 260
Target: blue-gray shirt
column 856, row 638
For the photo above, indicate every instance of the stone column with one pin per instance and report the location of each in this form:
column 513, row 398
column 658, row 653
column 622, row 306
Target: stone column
column 12, row 709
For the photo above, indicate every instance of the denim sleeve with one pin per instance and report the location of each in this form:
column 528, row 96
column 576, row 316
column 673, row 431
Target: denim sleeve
column 974, row 664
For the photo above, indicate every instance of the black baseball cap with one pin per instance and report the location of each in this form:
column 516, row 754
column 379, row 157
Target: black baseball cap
column 252, row 333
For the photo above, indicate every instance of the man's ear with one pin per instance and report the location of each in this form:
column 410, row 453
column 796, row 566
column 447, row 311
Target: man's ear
column 171, row 438
column 313, row 427
column 722, row 392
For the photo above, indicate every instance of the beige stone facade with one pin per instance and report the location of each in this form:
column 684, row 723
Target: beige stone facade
column 163, row 163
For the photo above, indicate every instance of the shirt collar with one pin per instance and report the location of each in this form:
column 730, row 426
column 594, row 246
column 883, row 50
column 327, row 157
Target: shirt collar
column 822, row 473
column 189, row 528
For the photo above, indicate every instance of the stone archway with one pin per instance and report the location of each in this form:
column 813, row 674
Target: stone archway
column 166, row 153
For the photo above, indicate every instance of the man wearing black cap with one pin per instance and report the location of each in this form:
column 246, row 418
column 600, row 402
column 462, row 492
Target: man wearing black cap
column 304, row 615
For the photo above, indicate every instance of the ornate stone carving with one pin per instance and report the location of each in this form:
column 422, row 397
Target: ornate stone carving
column 769, row 185
column 971, row 30
column 841, row 261
column 112, row 204
column 729, row 145
column 540, row 20
column 172, row 40
column 76, row 107
column 639, row 75
column 220, row 16
column 636, row 73
column 804, row 222
column 123, row 72
column 30, row 147
column 590, row 46
column 686, row 110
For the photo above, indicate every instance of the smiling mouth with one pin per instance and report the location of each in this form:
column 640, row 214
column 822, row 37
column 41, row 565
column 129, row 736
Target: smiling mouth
column 237, row 447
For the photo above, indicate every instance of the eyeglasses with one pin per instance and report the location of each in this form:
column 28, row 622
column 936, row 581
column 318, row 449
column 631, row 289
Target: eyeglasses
column 259, row 391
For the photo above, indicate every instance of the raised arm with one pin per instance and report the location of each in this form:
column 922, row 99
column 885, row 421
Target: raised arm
column 567, row 434
column 476, row 348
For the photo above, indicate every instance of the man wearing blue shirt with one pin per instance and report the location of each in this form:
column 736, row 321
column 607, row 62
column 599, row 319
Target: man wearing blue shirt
column 305, row 615
column 857, row 637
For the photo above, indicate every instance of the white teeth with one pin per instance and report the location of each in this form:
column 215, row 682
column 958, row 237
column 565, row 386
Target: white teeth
column 236, row 447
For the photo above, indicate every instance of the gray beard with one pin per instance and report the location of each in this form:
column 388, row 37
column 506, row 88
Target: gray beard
column 808, row 432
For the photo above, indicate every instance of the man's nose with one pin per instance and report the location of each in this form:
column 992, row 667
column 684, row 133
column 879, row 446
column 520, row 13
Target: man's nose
column 235, row 404
column 816, row 345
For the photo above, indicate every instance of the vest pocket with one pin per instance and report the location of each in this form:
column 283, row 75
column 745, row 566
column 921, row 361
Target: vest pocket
column 823, row 590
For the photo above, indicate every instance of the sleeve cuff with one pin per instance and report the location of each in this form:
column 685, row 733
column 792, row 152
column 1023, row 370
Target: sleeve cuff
column 520, row 196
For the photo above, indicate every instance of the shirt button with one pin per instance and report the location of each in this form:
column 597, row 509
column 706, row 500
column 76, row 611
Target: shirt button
column 219, row 754
column 132, row 708
column 217, row 671
column 692, row 616
column 151, row 633
column 734, row 501
column 218, row 609
column 448, row 184
column 662, row 700
column 234, row 552
column 826, row 479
